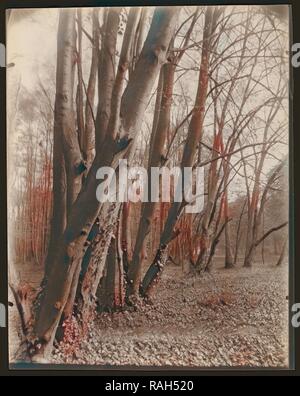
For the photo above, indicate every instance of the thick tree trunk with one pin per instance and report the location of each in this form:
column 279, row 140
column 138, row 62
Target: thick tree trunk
column 109, row 288
column 86, row 207
column 113, row 125
column 67, row 161
column 141, row 33
column 89, row 135
column 63, row 124
column 79, row 93
column 64, row 107
column 111, row 294
column 106, row 74
column 124, row 62
column 93, row 273
column 139, row 38
column 111, row 217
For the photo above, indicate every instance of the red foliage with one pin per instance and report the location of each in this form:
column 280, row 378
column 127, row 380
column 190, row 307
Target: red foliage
column 33, row 217
column 75, row 331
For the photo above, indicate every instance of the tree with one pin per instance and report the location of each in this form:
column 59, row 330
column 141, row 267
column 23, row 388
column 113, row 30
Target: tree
column 125, row 90
column 160, row 130
column 85, row 209
column 193, row 139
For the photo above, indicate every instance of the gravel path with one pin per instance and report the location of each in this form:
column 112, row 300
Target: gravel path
column 230, row 318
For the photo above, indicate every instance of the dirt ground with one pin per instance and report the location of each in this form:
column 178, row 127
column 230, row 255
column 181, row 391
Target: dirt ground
column 229, row 318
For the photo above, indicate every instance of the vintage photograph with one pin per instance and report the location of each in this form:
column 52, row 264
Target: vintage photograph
column 148, row 186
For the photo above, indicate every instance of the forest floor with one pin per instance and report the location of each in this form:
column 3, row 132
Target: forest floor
column 235, row 317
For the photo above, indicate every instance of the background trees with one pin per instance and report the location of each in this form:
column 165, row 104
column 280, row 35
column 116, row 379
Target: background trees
column 202, row 87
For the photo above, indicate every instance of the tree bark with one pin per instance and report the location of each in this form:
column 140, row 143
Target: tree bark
column 89, row 134
column 111, row 296
column 205, row 240
column 160, row 131
column 283, row 252
column 86, row 207
column 79, row 93
column 66, row 152
column 106, row 74
column 255, row 215
column 193, row 139
column 157, row 145
column 229, row 260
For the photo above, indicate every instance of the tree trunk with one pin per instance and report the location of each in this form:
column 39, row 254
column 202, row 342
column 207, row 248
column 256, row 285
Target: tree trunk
column 79, row 93
column 229, row 260
column 157, row 145
column 283, row 253
column 59, row 218
column 192, row 141
column 88, row 141
column 255, row 214
column 111, row 296
column 86, row 207
column 106, row 74
column 94, row 273
column 211, row 203
column 238, row 233
column 126, row 236
column 160, row 131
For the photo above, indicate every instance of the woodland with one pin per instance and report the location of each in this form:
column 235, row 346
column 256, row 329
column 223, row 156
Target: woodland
column 172, row 86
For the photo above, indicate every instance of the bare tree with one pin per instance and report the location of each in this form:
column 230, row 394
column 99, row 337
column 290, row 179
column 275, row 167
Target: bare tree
column 193, row 139
column 86, row 207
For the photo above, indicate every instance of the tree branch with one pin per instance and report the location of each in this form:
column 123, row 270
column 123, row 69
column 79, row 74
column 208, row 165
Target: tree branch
column 270, row 232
